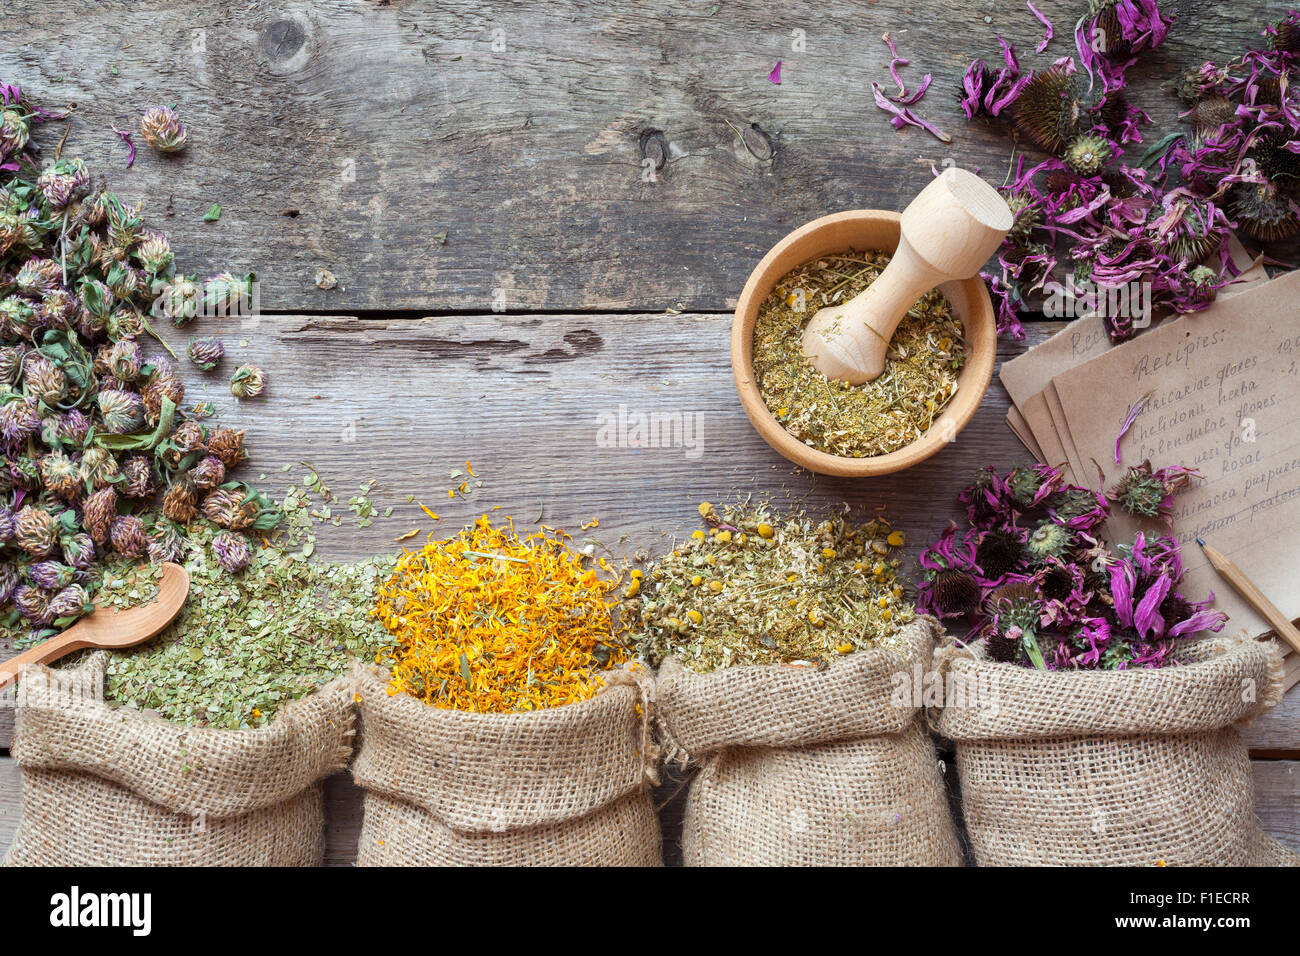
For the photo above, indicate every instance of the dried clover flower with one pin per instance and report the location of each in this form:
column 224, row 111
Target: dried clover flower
column 178, row 299
column 99, row 514
column 51, row 575
column 492, row 622
column 63, row 182
column 35, row 531
column 206, row 353
column 122, row 412
column 162, row 129
column 208, row 473
column 128, row 537
column 247, row 382
column 69, row 603
column 61, row 475
column 228, row 445
column 98, row 467
column 232, row 550
column 155, row 253
column 43, row 380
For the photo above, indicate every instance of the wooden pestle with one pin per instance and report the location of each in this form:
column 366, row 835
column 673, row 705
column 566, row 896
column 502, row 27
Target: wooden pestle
column 947, row 232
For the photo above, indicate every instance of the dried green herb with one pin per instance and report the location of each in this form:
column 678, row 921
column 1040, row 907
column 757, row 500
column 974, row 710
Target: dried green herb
column 246, row 643
column 855, row 421
column 762, row 588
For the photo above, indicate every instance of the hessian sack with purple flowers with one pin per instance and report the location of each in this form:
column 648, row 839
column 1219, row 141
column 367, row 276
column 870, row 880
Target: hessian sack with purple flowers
column 1135, row 767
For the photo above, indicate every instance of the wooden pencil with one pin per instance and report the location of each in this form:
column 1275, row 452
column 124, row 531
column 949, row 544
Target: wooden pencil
column 1253, row 595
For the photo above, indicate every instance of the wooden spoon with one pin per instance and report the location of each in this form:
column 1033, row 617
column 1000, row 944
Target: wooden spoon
column 109, row 627
column 948, row 231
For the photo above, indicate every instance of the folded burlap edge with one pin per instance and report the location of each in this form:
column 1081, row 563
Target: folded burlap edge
column 184, row 769
column 776, row 705
column 489, row 773
column 1223, row 682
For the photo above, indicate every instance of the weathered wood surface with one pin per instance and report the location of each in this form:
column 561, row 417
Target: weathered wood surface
column 1277, row 790
column 521, row 131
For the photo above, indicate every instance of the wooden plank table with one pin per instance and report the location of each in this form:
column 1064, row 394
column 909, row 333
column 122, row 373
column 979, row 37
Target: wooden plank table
column 348, row 135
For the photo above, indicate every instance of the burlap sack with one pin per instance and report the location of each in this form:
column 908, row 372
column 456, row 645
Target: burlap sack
column 810, row 767
column 110, row 786
column 1092, row 768
column 568, row 786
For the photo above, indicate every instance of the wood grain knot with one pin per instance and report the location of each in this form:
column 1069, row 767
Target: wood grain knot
column 758, row 142
column 282, row 39
column 654, row 146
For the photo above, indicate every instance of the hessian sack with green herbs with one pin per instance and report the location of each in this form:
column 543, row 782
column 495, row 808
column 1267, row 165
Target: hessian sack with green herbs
column 112, row 786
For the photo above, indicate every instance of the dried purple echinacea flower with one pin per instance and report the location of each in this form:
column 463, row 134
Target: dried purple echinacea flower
column 1030, row 485
column 1047, row 26
column 1150, row 494
column 1000, row 552
column 948, row 587
column 162, row 129
column 126, row 136
column 1057, row 598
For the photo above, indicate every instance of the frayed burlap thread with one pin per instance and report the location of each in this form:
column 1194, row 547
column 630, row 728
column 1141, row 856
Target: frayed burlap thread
column 111, row 786
column 808, row 767
column 567, row 786
column 1114, row 768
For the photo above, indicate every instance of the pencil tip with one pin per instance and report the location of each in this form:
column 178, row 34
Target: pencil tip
column 1201, row 542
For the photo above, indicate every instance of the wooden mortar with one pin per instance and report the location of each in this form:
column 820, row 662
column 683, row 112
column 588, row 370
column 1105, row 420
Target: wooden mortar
column 862, row 230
